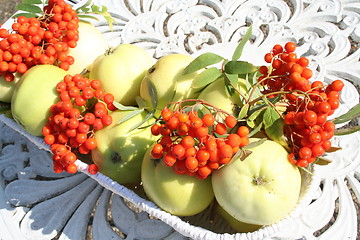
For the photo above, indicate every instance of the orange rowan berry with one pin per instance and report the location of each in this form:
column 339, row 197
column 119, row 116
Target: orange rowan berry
column 220, row 128
column 230, row 121
column 243, row 131
column 191, row 163
column 208, row 119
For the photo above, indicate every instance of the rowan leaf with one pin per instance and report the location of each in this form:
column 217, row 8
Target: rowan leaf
column 255, row 114
column 239, row 67
column 322, row 161
column 346, row 131
column 25, row 14
column 270, row 116
column 147, row 117
column 353, row 113
column 276, row 133
column 122, row 107
column 255, row 144
column 202, row 61
column 256, row 129
column 206, row 77
column 239, row 49
column 140, row 102
column 29, row 8
column 153, row 94
column 243, row 111
column 81, row 16
column 32, row 2
column 130, row 115
column 231, row 81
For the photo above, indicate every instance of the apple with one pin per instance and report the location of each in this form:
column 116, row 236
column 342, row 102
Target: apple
column 180, row 195
column 119, row 153
column 33, row 96
column 7, row 88
column 167, row 78
column 236, row 224
column 260, row 190
column 90, row 45
column 216, row 94
column 121, row 72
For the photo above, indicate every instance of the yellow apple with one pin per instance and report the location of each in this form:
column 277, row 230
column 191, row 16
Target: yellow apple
column 236, row 224
column 121, row 72
column 90, row 45
column 181, row 195
column 33, row 96
column 7, row 88
column 260, row 190
column 167, row 78
column 119, row 153
column 215, row 94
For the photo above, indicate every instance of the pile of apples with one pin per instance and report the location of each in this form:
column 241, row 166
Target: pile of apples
column 254, row 189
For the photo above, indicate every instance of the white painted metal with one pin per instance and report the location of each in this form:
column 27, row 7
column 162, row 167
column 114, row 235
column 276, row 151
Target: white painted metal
column 36, row 203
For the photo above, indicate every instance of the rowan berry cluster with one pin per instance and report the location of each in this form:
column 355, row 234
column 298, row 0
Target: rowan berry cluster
column 194, row 144
column 82, row 109
column 309, row 104
column 42, row 40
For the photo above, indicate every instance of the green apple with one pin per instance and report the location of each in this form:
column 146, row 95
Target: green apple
column 236, row 224
column 216, row 94
column 33, row 96
column 119, row 153
column 7, row 88
column 180, row 195
column 260, row 190
column 90, row 45
column 167, row 78
column 121, row 72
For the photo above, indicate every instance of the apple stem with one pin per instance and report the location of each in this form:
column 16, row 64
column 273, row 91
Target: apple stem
column 258, row 181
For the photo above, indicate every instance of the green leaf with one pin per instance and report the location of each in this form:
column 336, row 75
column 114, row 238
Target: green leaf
column 230, row 81
column 85, row 5
column 153, row 94
column 270, row 116
column 243, row 112
column 108, row 19
column 95, row 8
column 81, row 16
column 131, row 114
column 84, row 9
column 241, row 155
column 27, row 15
column 122, row 107
column 353, row 113
column 32, row 2
column 147, row 117
column 202, row 61
column 256, row 130
column 255, row 144
column 276, row 132
column 255, row 114
column 250, row 123
column 239, row 67
column 29, row 8
column 104, row 8
column 345, row 131
column 206, row 77
column 322, row 161
column 140, row 102
column 238, row 51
